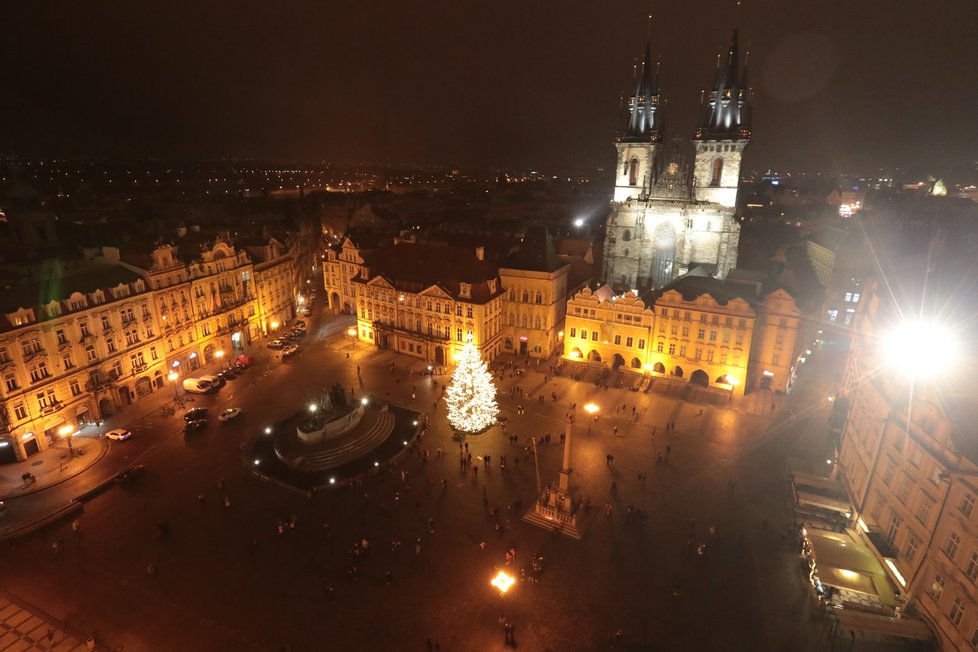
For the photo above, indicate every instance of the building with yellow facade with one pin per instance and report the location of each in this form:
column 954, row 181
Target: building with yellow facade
column 424, row 299
column 704, row 331
column 80, row 346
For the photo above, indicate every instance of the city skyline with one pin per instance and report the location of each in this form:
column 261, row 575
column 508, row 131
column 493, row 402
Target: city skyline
column 520, row 86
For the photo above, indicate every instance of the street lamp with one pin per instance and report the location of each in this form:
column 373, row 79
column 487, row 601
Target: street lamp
column 220, row 357
column 502, row 581
column 592, row 410
column 352, row 334
column 67, row 432
column 172, row 377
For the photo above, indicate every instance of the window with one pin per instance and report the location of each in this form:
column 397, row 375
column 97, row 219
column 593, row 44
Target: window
column 951, row 545
column 673, row 330
column 660, row 346
column 74, row 386
column 910, row 550
column 62, row 339
column 594, row 336
column 39, row 372
column 717, row 172
column 153, row 354
column 4, row 354
column 894, row 528
column 458, row 311
column 904, row 489
column 10, row 380
column 956, row 611
column 573, row 332
column 923, row 511
column 713, row 336
column 972, row 569
column 641, row 343
column 973, row 639
column 685, row 331
column 723, row 358
column 583, row 333
column 779, row 340
column 967, row 504
column 42, row 400
column 66, row 358
column 618, row 340
column 84, row 329
column 633, row 172
column 626, row 236
column 90, row 353
column 106, row 324
column 682, row 350
column 468, row 312
column 701, row 333
column 20, row 411
column 888, row 473
column 111, row 344
column 776, row 359
column 458, row 334
column 709, row 356
column 672, row 349
column 936, row 587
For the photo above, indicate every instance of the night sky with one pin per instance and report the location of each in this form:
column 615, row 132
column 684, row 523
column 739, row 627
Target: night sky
column 840, row 86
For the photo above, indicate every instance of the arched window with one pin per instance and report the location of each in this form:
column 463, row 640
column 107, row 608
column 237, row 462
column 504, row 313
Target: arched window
column 626, row 253
column 626, row 236
column 633, row 172
column 526, row 297
column 536, row 323
column 539, row 298
column 523, row 321
column 717, row 172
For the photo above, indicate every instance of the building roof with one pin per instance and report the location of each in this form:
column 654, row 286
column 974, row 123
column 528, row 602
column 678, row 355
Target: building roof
column 536, row 253
column 428, row 263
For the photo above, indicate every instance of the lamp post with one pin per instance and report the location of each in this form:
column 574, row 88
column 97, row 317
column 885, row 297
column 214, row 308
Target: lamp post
column 219, row 354
column 502, row 581
column 67, row 432
column 592, row 410
column 172, row 377
column 352, row 334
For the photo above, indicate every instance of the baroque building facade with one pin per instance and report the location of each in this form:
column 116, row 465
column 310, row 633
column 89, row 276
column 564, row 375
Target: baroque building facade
column 425, row 300
column 108, row 335
column 714, row 334
column 673, row 204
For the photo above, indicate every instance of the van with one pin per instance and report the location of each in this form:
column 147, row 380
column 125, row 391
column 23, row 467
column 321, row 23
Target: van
column 197, row 385
column 215, row 381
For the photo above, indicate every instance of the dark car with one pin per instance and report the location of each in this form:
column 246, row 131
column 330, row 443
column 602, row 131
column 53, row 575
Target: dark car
column 128, row 474
column 196, row 414
column 240, row 368
column 227, row 374
column 298, row 332
column 194, row 426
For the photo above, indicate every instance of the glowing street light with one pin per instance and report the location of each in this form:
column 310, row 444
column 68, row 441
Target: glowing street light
column 592, row 410
column 219, row 354
column 502, row 581
column 67, row 431
column 919, row 349
column 352, row 334
column 172, row 377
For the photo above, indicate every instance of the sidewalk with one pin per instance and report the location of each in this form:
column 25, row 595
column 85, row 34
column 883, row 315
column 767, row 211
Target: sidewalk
column 25, row 628
column 51, row 466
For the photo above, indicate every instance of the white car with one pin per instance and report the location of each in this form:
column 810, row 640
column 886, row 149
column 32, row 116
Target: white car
column 290, row 350
column 119, row 434
column 229, row 414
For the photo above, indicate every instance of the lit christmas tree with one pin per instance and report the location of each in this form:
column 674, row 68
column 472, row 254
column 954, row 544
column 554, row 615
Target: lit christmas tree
column 471, row 398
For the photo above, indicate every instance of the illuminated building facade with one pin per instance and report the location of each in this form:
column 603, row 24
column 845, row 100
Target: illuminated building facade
column 699, row 330
column 673, row 205
column 910, row 462
column 92, row 346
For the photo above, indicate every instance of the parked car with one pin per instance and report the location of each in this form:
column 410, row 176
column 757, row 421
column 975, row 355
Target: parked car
column 240, row 368
column 244, row 361
column 299, row 332
column 227, row 374
column 194, row 426
column 307, row 312
column 276, row 344
column 290, row 350
column 229, row 414
column 301, row 322
column 195, row 414
column 128, row 474
column 216, row 381
column 119, row 434
column 197, row 385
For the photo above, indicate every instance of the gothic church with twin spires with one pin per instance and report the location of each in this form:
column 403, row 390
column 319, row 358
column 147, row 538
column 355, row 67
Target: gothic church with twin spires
column 673, row 204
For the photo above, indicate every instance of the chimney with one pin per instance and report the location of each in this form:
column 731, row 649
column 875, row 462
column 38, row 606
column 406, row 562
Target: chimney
column 480, row 253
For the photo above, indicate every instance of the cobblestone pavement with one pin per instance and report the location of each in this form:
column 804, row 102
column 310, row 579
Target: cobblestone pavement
column 226, row 579
column 24, row 628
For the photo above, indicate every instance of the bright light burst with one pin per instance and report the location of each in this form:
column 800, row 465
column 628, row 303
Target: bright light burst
column 920, row 349
column 471, row 398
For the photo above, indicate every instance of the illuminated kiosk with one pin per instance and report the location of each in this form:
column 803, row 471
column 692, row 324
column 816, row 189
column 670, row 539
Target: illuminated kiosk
column 332, row 432
column 556, row 506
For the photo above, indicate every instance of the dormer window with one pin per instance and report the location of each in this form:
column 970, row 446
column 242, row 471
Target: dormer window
column 465, row 290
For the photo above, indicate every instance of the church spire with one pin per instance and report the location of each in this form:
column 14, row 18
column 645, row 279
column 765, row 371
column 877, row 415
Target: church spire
column 726, row 109
column 642, row 105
